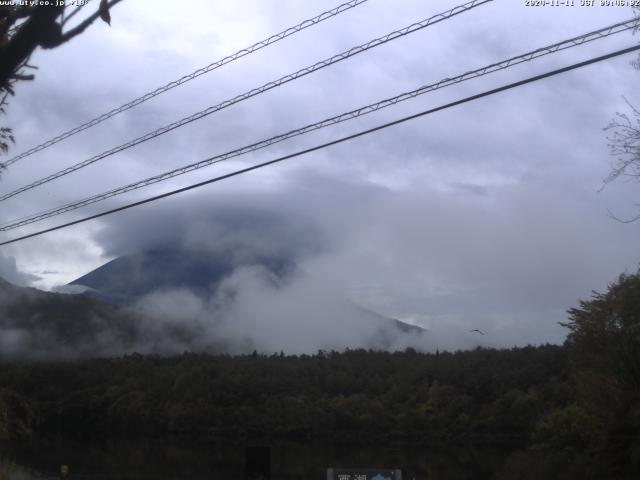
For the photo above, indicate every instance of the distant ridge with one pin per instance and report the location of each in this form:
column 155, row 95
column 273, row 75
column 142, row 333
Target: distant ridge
column 127, row 278
column 42, row 325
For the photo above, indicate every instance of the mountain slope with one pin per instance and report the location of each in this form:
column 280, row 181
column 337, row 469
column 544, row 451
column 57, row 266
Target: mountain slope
column 127, row 279
column 37, row 325
column 42, row 325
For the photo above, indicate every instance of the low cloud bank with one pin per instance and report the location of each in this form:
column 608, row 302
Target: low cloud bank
column 251, row 309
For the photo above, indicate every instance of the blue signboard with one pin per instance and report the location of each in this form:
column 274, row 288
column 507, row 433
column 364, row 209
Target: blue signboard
column 363, row 474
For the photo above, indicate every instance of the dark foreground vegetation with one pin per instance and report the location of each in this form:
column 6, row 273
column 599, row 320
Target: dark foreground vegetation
column 573, row 409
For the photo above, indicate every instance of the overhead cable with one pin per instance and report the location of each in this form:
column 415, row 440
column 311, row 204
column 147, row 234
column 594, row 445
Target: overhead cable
column 334, row 142
column 186, row 78
column 504, row 64
column 253, row 92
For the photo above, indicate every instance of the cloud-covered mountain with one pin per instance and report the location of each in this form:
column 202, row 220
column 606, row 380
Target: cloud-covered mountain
column 166, row 301
column 128, row 278
column 231, row 279
column 238, row 302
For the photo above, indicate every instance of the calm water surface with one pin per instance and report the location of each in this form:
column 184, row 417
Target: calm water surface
column 199, row 460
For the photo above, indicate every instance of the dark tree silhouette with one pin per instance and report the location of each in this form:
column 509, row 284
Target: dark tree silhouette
column 604, row 332
column 23, row 28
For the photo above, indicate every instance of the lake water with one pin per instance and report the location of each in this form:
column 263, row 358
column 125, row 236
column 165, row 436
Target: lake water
column 199, row 460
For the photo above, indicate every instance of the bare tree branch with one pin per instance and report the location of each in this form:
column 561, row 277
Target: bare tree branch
column 81, row 27
column 20, row 76
column 622, row 220
column 624, row 143
column 72, row 14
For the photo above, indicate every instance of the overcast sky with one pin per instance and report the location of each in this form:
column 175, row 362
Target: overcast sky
column 486, row 215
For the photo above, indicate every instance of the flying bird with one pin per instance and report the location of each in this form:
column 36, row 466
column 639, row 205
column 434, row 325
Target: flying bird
column 476, row 330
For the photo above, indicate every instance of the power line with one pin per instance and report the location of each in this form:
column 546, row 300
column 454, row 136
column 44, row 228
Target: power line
column 333, row 142
column 186, row 78
column 504, row 64
column 253, row 92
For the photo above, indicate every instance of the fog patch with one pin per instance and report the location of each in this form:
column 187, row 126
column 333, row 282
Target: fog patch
column 10, row 272
column 252, row 309
column 71, row 289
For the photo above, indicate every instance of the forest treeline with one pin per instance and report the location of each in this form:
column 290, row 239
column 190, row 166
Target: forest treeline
column 573, row 408
column 350, row 395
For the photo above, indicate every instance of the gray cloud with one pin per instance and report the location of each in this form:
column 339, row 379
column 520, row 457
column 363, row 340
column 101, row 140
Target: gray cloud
column 261, row 224
column 10, row 272
column 482, row 216
column 449, row 260
column 251, row 309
